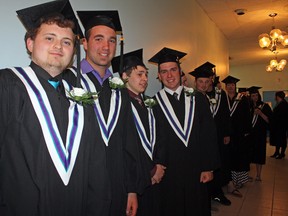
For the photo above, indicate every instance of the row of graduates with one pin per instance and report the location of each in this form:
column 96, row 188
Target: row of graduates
column 62, row 156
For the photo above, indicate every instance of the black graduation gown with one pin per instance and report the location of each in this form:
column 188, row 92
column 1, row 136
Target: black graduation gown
column 181, row 190
column 29, row 181
column 123, row 154
column 223, row 125
column 241, row 127
column 259, row 134
column 279, row 125
column 148, row 201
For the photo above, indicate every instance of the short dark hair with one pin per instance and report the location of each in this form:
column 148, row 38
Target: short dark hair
column 280, row 94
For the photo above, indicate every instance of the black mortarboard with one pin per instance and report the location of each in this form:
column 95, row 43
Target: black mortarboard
column 201, row 73
column 111, row 19
column 242, row 89
column 216, row 80
column 131, row 59
column 253, row 89
column 204, row 70
column 167, row 55
column 230, row 79
column 30, row 16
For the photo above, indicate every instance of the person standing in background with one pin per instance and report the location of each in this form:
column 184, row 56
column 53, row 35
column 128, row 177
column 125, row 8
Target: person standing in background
column 219, row 109
column 279, row 125
column 261, row 116
column 239, row 110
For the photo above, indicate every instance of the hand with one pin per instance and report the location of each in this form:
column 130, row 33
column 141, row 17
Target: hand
column 257, row 111
column 206, row 176
column 226, row 140
column 160, row 171
column 132, row 204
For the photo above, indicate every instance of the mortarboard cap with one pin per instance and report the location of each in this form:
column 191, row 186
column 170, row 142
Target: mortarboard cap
column 216, row 80
column 230, row 79
column 167, row 55
column 204, row 70
column 253, row 89
column 131, row 59
column 242, row 89
column 111, row 19
column 30, row 16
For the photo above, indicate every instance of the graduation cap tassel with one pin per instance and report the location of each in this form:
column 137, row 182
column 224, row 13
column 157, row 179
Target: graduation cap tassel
column 121, row 53
column 78, row 83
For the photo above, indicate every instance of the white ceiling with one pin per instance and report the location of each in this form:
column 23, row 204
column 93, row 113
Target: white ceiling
column 242, row 31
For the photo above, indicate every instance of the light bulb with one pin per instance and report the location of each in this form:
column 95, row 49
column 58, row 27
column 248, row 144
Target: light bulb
column 273, row 63
column 275, row 33
column 264, row 40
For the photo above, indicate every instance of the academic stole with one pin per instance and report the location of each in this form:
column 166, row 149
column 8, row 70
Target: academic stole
column 214, row 107
column 108, row 127
column 255, row 116
column 63, row 156
column 148, row 145
column 234, row 104
column 182, row 133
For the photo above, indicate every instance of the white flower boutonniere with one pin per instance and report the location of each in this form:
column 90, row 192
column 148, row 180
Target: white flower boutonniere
column 188, row 91
column 150, row 102
column 213, row 101
column 217, row 90
column 116, row 83
column 81, row 96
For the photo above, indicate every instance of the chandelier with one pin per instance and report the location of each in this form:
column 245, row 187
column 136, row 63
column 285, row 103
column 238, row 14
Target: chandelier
column 275, row 37
column 274, row 64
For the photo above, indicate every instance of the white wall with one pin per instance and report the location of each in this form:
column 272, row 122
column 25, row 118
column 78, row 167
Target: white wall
column 149, row 24
column 256, row 75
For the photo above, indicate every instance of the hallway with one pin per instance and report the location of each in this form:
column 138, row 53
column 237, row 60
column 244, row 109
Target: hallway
column 266, row 198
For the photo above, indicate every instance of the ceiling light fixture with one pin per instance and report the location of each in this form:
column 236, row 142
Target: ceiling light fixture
column 275, row 37
column 274, row 64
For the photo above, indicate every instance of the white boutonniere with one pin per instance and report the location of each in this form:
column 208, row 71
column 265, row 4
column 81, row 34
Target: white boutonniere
column 116, row 83
column 217, row 90
column 213, row 101
column 150, row 102
column 81, row 96
column 188, row 91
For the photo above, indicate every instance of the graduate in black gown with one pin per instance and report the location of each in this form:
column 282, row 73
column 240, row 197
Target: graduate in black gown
column 45, row 138
column 136, row 75
column 219, row 108
column 261, row 115
column 186, row 129
column 112, row 109
column 239, row 109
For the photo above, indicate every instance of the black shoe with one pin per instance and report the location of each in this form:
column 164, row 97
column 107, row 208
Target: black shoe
column 280, row 156
column 222, row 199
column 274, row 155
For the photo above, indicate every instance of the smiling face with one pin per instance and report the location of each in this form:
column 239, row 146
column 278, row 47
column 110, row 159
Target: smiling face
column 100, row 47
column 169, row 75
column 203, row 83
column 53, row 48
column 137, row 79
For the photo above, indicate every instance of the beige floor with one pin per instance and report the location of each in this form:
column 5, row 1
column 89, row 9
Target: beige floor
column 266, row 198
